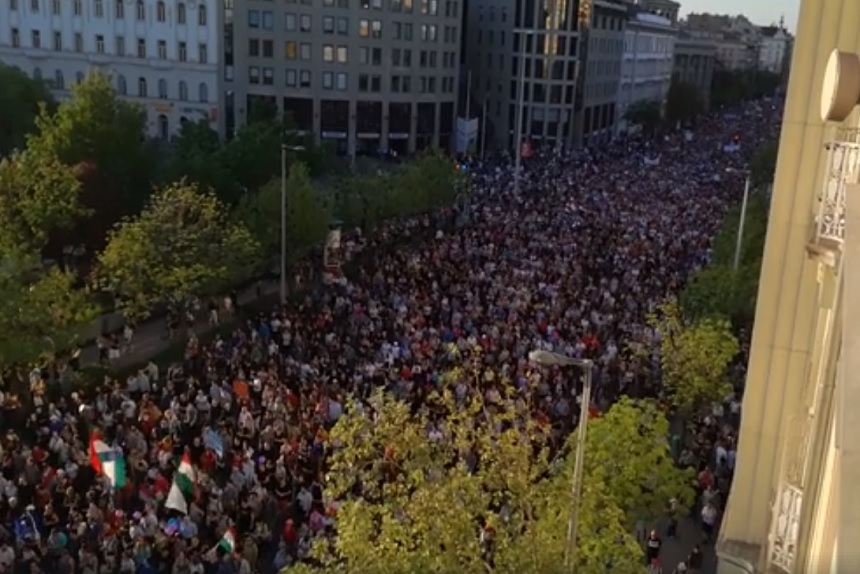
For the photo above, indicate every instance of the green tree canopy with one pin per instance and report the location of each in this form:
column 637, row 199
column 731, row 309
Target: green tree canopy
column 20, row 100
column 181, row 245
column 415, row 488
column 97, row 127
column 307, row 216
column 694, row 357
column 683, row 102
column 645, row 113
column 197, row 156
column 763, row 164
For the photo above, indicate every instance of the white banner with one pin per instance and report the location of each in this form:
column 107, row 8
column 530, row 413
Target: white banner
column 467, row 135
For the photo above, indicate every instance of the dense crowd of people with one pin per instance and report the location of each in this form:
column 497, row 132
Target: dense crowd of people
column 570, row 256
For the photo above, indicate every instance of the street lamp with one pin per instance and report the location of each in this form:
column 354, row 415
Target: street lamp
column 284, row 149
column 738, row 242
column 550, row 359
column 520, row 114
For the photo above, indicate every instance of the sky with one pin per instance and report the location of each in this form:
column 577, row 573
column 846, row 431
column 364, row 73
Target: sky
column 761, row 12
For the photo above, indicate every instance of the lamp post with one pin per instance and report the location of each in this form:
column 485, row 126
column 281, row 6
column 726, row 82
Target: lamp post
column 520, row 114
column 549, row 359
column 284, row 149
column 736, row 262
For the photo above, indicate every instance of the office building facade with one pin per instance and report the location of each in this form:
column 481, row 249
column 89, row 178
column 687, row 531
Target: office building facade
column 161, row 55
column 694, row 62
column 364, row 75
column 647, row 62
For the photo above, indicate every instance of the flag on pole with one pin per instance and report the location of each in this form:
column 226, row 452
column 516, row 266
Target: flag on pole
column 107, row 461
column 228, row 541
column 182, row 488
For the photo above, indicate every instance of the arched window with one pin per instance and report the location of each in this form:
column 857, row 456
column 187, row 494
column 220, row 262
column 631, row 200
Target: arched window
column 162, row 89
column 59, row 82
column 183, row 90
column 141, row 10
column 37, row 74
column 163, row 127
column 203, row 94
column 160, row 11
column 121, row 86
column 201, row 15
column 180, row 13
column 79, row 77
column 141, row 87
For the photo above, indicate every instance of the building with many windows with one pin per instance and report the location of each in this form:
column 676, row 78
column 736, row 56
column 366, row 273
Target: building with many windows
column 162, row 55
column 694, row 62
column 366, row 75
column 646, row 68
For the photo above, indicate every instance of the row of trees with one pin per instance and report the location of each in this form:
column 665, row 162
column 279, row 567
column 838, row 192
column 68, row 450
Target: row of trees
column 731, row 87
column 86, row 176
column 412, row 503
column 683, row 103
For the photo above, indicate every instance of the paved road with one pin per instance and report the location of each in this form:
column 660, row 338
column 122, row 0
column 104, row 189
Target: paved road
column 677, row 549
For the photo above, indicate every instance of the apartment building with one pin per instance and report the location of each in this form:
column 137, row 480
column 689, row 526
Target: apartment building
column 161, row 55
column 365, row 75
column 647, row 63
column 694, row 63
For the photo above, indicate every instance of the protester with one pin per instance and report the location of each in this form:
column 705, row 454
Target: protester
column 217, row 464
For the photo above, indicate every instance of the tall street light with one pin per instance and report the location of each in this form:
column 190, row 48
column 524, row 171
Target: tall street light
column 284, row 149
column 550, row 359
column 736, row 262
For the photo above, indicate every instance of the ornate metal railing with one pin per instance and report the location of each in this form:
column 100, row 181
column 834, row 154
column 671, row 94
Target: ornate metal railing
column 843, row 168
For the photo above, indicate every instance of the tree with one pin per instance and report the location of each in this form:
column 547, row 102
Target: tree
column 20, row 100
column 683, row 102
column 182, row 245
column 409, row 502
column 645, row 113
column 307, row 217
column 763, row 164
column 97, row 127
column 40, row 310
column 198, row 157
column 694, row 357
column 718, row 292
column 38, row 195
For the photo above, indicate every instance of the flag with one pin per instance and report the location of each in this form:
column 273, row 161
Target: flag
column 182, row 488
column 107, row 461
column 213, row 441
column 228, row 541
column 26, row 528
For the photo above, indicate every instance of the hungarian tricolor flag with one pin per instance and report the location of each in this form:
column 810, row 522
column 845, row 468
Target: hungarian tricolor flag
column 182, row 489
column 228, row 541
column 107, row 461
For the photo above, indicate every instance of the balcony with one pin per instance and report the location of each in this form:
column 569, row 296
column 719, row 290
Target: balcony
column 843, row 169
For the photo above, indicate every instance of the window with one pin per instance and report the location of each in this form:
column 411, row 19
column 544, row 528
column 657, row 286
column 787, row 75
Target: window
column 305, row 79
column 253, row 19
column 55, row 7
column 141, row 87
column 342, row 54
column 203, row 92
column 180, row 13
column 291, row 80
column 121, row 86
column 162, row 89
column 268, row 20
column 328, row 80
column 35, row 39
column 201, row 21
column 328, row 53
column 99, row 8
column 119, row 9
column 202, row 53
column 291, row 50
column 79, row 78
column 376, row 29
column 253, row 47
column 119, row 42
column 77, row 8
column 343, row 26
column 268, row 49
column 363, row 82
column 253, row 75
column 182, row 52
column 305, row 51
column 342, row 81
column 79, row 42
column 394, row 5
column 141, row 48
column 375, row 83
column 183, row 90
column 305, row 23
column 59, row 83
column 162, row 50
column 290, row 22
column 16, row 38
column 13, row 5
column 58, row 41
column 364, row 28
column 160, row 12
column 407, row 32
column 397, row 31
column 268, row 76
column 328, row 25
column 363, row 55
column 34, row 5
column 100, row 44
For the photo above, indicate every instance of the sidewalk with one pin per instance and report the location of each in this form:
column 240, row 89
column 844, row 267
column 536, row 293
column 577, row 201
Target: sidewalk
column 677, row 549
column 150, row 337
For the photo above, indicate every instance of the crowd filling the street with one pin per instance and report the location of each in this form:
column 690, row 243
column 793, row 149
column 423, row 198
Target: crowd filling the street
column 221, row 462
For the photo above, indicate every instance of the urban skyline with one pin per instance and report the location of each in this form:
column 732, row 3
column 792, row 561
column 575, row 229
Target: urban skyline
column 758, row 12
